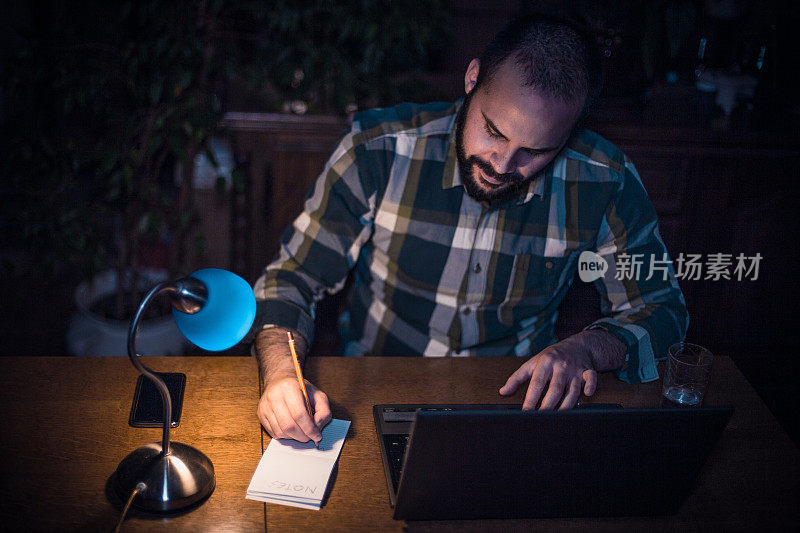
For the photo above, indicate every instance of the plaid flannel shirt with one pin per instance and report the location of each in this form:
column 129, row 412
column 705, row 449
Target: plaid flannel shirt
column 436, row 273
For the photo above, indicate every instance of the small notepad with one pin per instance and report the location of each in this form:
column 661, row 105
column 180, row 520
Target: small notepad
column 297, row 473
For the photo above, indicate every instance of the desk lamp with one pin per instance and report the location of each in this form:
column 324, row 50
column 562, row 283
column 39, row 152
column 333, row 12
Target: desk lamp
column 214, row 309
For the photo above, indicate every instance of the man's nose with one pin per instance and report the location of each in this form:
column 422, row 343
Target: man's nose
column 502, row 161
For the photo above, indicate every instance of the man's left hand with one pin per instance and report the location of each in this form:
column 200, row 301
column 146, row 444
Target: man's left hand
column 566, row 368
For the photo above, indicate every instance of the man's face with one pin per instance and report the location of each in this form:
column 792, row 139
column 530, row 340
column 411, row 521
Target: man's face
column 507, row 133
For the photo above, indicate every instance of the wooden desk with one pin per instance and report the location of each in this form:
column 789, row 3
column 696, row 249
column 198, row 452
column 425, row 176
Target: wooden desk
column 751, row 480
column 65, row 431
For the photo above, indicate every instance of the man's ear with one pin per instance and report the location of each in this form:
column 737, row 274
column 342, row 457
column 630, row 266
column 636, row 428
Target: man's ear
column 471, row 76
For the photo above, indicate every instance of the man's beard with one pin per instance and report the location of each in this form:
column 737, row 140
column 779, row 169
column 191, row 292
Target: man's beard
column 513, row 182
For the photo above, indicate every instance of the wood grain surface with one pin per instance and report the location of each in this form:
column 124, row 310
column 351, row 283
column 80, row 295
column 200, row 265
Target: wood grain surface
column 65, row 429
column 750, row 480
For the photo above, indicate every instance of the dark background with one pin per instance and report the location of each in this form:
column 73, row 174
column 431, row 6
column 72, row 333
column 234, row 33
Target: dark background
column 721, row 183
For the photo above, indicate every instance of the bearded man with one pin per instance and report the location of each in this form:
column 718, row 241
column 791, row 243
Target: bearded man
column 462, row 225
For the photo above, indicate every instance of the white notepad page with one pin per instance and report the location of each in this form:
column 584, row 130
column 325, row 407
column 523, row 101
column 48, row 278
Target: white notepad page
column 297, row 473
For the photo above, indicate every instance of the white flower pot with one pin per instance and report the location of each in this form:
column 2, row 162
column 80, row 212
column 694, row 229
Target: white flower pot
column 91, row 334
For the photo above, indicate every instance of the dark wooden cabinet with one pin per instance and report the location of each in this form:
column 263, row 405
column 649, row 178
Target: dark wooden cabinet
column 282, row 155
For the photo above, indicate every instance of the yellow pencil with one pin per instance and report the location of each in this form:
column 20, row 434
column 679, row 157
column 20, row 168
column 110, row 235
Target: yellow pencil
column 300, row 379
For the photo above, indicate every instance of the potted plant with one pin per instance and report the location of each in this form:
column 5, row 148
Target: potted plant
column 106, row 109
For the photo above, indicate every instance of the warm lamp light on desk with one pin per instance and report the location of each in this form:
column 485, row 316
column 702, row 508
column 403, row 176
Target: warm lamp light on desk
column 214, row 309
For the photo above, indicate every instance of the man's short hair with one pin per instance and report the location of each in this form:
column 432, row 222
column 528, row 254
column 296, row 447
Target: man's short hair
column 555, row 57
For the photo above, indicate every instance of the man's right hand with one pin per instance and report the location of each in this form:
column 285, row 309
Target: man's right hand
column 282, row 410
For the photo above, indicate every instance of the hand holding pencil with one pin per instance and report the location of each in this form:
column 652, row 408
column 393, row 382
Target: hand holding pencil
column 290, row 407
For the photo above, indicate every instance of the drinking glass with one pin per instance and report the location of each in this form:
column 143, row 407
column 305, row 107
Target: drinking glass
column 686, row 379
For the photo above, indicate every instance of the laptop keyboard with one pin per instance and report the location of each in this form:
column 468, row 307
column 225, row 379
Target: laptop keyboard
column 396, row 449
column 396, row 443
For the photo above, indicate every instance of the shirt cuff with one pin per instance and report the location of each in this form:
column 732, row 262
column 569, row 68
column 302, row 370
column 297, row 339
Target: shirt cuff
column 284, row 315
column 640, row 363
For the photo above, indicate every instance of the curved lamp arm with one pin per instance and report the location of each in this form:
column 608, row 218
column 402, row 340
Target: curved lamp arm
column 189, row 296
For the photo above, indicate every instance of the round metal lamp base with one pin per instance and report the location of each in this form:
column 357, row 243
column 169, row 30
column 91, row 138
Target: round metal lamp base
column 172, row 482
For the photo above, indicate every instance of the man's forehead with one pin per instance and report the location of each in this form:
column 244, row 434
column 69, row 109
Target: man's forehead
column 525, row 116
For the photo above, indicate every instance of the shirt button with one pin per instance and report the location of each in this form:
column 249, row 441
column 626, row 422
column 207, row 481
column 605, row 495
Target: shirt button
column 477, row 268
column 549, row 264
column 465, row 311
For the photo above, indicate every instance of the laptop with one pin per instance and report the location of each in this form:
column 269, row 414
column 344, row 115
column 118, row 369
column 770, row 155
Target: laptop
column 463, row 461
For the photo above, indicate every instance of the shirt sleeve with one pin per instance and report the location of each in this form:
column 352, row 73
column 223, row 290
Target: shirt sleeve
column 320, row 247
column 640, row 298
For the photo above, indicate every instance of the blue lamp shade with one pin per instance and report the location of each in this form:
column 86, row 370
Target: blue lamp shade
column 227, row 315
